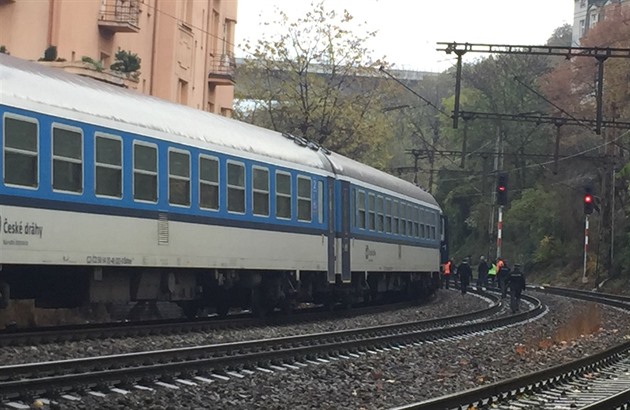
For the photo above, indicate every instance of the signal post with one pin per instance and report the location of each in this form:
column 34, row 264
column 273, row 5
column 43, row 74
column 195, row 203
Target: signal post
column 588, row 209
column 501, row 201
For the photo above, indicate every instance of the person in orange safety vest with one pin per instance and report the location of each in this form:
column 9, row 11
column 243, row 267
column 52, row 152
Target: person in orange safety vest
column 446, row 273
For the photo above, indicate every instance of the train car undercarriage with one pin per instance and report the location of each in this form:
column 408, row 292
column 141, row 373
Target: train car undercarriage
column 201, row 291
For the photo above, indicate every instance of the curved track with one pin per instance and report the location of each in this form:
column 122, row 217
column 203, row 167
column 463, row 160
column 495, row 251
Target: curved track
column 599, row 382
column 34, row 380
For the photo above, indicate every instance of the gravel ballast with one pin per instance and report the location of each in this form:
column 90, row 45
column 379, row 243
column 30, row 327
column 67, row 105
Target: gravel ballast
column 571, row 330
column 110, row 346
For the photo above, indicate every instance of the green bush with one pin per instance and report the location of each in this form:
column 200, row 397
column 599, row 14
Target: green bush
column 126, row 62
column 98, row 66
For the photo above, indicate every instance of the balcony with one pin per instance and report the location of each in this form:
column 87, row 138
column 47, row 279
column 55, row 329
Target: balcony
column 88, row 70
column 222, row 69
column 119, row 16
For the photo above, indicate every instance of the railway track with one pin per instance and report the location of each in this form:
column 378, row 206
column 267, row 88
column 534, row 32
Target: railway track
column 597, row 382
column 215, row 361
column 57, row 334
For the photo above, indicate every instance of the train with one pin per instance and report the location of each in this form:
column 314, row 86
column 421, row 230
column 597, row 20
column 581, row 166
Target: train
column 109, row 196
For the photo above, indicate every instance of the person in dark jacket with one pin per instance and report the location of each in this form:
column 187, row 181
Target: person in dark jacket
column 502, row 275
column 516, row 282
column 482, row 273
column 465, row 273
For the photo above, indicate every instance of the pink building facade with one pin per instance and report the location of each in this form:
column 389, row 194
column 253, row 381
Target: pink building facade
column 186, row 47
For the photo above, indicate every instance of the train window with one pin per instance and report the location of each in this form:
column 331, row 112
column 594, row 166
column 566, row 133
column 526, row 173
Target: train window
column 388, row 215
column 410, row 218
column 403, row 218
column 67, row 154
column 395, row 219
column 20, row 152
column 145, row 172
column 371, row 212
column 416, row 223
column 208, row 182
column 361, row 209
column 260, row 194
column 236, row 187
column 422, row 225
column 379, row 213
column 283, row 195
column 178, row 178
column 108, row 164
column 304, row 198
column 320, row 202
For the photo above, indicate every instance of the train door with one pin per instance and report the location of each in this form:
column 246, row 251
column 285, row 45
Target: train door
column 346, row 208
column 330, row 188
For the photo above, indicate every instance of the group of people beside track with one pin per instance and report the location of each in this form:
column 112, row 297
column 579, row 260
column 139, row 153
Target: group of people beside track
column 496, row 274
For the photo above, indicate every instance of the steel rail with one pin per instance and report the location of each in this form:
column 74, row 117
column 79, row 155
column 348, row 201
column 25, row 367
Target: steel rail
column 532, row 382
column 56, row 334
column 31, row 380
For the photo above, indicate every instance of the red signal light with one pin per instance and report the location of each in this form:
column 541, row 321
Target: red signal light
column 588, row 198
column 501, row 188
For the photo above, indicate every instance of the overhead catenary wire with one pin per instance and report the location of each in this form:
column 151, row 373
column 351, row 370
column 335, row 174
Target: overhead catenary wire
column 157, row 10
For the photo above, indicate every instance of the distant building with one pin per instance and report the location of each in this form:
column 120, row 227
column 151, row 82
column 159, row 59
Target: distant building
column 186, row 47
column 587, row 13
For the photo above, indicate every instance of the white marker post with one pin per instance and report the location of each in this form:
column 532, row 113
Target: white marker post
column 499, row 231
column 584, row 279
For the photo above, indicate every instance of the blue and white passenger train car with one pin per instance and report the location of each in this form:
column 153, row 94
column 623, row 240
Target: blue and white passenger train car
column 108, row 195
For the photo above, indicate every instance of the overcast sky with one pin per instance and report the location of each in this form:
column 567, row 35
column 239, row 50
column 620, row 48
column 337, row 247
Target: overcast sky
column 408, row 30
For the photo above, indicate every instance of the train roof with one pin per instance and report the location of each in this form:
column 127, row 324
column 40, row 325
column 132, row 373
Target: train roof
column 34, row 84
column 353, row 169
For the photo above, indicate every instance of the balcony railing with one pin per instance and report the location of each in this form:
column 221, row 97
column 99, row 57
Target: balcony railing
column 119, row 16
column 222, row 69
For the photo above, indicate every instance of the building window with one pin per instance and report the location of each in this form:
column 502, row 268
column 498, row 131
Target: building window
column 67, row 160
column 179, row 178
column 283, row 195
column 187, row 12
column 260, row 191
column 20, row 152
column 182, row 92
column 108, row 166
column 208, row 183
column 145, row 173
column 304, row 199
column 236, row 187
